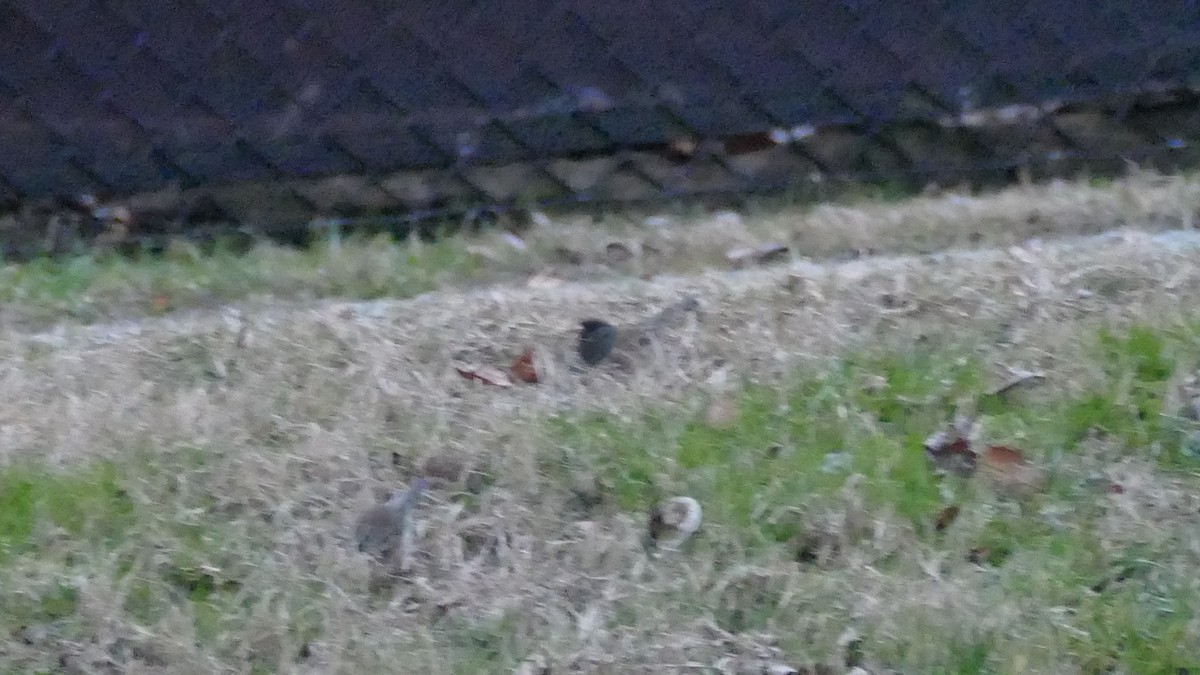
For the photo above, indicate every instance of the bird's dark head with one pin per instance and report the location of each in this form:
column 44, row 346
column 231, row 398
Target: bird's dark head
column 596, row 340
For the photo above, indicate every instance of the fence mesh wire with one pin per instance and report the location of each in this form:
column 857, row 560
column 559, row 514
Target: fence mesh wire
column 277, row 111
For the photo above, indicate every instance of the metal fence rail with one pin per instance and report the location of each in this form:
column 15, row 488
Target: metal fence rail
column 368, row 106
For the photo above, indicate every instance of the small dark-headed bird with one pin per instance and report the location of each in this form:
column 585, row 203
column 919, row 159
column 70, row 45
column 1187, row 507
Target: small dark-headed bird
column 598, row 339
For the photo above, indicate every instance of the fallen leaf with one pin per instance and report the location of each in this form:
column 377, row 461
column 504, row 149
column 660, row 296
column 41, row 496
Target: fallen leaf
column 1008, row 470
column 1116, row 489
column 485, row 374
column 1003, row 457
column 945, row 517
column 523, row 368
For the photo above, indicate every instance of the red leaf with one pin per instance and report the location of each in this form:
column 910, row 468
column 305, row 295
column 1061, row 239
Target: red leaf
column 485, row 374
column 523, row 368
column 1116, row 489
column 1003, row 457
column 1008, row 470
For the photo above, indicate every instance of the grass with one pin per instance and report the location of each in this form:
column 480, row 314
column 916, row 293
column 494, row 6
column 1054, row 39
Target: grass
column 93, row 288
column 88, row 503
column 152, row 530
column 766, row 478
column 175, row 498
column 1065, row 584
column 681, row 240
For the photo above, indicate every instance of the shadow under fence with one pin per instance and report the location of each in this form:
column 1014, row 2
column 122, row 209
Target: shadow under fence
column 141, row 120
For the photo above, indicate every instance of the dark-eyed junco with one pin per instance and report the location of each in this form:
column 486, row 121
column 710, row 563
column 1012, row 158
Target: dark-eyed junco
column 598, row 338
column 387, row 528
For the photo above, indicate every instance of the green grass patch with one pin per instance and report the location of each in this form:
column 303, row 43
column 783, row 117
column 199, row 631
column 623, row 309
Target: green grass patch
column 101, row 287
column 171, row 548
column 786, row 447
column 86, row 503
column 784, row 460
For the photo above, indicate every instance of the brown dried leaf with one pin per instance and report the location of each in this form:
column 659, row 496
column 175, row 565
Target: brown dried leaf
column 523, row 368
column 1010, row 472
column 485, row 374
column 1003, row 457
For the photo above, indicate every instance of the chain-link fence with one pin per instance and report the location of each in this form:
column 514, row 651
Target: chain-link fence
column 276, row 111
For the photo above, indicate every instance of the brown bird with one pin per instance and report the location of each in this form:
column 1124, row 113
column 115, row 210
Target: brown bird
column 387, row 529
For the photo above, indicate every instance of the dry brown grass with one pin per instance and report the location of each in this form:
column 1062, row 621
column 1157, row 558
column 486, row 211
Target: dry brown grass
column 325, row 407
column 250, row 438
column 679, row 242
column 611, row 248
